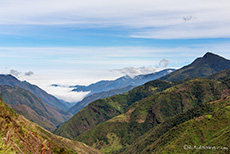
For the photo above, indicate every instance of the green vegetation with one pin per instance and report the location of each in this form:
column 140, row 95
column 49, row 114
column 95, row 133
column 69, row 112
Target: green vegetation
column 157, row 132
column 80, row 105
column 211, row 130
column 139, row 121
column 105, row 109
column 19, row 135
column 152, row 111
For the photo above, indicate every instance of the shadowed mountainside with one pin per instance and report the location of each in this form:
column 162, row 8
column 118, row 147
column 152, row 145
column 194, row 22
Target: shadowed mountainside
column 47, row 98
column 32, row 107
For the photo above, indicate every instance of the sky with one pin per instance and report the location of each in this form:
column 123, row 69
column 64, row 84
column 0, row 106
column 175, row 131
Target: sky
column 81, row 42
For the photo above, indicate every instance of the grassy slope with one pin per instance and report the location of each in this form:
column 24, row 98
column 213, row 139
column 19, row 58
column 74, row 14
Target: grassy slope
column 17, row 134
column 32, row 107
column 87, row 100
column 151, row 111
column 208, row 129
column 105, row 109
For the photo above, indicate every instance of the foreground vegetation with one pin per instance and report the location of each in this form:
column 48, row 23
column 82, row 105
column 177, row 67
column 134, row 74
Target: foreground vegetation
column 19, row 135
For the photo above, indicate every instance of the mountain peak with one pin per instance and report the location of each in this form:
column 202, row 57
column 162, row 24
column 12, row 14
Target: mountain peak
column 209, row 64
column 210, row 54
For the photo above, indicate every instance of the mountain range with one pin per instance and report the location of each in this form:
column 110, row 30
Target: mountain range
column 186, row 111
column 121, row 82
column 103, row 89
column 115, row 124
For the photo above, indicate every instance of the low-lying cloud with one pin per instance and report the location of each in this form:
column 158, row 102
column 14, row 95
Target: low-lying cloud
column 66, row 94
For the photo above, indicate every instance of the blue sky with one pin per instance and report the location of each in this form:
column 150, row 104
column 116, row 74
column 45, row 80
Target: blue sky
column 79, row 42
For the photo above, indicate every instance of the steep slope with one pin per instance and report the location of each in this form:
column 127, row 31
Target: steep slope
column 204, row 66
column 207, row 125
column 122, row 82
column 19, row 135
column 47, row 98
column 82, row 104
column 105, row 109
column 114, row 135
column 32, row 107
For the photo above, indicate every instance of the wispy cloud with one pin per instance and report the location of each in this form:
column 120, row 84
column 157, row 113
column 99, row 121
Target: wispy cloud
column 147, row 18
column 134, row 71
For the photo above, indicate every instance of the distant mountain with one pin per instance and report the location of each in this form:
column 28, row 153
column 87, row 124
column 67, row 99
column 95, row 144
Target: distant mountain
column 19, row 135
column 103, row 89
column 207, row 65
column 82, row 104
column 32, row 107
column 122, row 82
column 47, row 98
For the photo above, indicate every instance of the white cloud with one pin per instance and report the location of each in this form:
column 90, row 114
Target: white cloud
column 66, row 94
column 133, row 71
column 162, row 18
column 63, row 92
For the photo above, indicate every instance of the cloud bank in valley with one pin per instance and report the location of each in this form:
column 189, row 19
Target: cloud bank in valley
column 66, row 94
